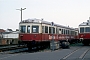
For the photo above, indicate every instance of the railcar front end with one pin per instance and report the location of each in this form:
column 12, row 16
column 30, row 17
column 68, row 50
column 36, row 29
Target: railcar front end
column 84, row 32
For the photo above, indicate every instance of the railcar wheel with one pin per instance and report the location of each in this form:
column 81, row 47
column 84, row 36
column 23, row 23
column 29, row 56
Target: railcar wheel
column 85, row 42
column 65, row 44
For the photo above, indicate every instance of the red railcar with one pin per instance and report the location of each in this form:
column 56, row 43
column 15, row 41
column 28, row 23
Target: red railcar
column 84, row 32
column 39, row 33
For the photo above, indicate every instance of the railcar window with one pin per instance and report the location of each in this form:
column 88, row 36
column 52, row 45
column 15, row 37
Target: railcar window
column 46, row 29
column 72, row 32
column 76, row 33
column 23, row 29
column 35, row 29
column 57, row 30
column 42, row 29
column 87, row 29
column 62, row 31
column 50, row 30
column 81, row 29
column 53, row 30
column 28, row 29
column 68, row 32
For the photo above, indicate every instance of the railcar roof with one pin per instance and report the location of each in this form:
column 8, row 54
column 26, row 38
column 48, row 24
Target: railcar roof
column 43, row 22
column 85, row 23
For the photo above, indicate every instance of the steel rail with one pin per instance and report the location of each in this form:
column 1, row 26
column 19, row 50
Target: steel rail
column 65, row 57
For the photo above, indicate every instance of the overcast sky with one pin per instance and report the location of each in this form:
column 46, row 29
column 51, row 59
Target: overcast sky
column 63, row 12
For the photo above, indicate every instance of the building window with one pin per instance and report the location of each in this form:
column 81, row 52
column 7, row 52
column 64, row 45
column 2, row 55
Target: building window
column 46, row 29
column 35, row 29
column 28, row 29
column 23, row 29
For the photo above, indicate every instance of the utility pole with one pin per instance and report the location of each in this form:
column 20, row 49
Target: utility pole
column 21, row 11
column 52, row 36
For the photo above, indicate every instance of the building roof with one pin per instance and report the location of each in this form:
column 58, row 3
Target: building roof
column 13, row 32
column 1, row 30
column 9, row 29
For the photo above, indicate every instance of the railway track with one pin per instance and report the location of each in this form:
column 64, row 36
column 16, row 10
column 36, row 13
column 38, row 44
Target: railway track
column 17, row 49
column 12, row 49
column 77, row 54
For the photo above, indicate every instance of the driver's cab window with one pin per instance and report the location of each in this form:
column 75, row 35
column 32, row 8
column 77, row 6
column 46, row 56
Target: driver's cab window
column 35, row 29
